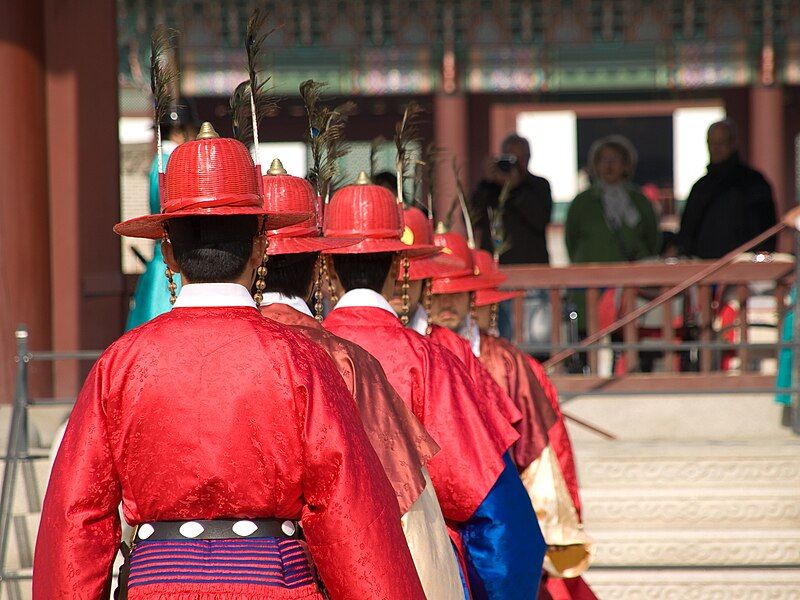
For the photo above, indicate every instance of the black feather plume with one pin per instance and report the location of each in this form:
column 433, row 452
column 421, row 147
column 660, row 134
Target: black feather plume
column 406, row 132
column 374, row 149
column 325, row 136
column 241, row 118
column 310, row 92
column 334, row 145
column 255, row 94
column 162, row 78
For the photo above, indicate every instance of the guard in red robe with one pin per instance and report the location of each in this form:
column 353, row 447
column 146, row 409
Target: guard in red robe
column 397, row 436
column 526, row 374
column 480, row 493
column 231, row 441
column 419, row 229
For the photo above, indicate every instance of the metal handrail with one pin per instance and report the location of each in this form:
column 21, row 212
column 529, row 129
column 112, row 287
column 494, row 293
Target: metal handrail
column 17, row 440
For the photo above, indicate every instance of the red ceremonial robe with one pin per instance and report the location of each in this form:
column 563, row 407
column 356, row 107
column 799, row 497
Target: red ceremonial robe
column 440, row 393
column 491, row 393
column 398, row 438
column 207, row 413
column 510, row 370
column 559, row 437
column 525, row 378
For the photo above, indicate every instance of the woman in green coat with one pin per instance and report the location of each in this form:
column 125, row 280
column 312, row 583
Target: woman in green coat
column 611, row 221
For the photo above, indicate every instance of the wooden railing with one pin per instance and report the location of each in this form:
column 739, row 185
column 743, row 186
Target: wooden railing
column 645, row 280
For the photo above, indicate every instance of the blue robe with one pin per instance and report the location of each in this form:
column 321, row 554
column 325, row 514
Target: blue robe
column 505, row 547
column 152, row 294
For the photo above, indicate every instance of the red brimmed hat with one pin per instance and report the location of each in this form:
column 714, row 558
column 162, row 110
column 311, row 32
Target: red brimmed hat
column 211, row 176
column 486, row 265
column 283, row 192
column 418, row 230
column 372, row 213
column 470, row 279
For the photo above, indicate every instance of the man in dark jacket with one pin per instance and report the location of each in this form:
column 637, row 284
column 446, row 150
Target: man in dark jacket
column 729, row 205
column 526, row 213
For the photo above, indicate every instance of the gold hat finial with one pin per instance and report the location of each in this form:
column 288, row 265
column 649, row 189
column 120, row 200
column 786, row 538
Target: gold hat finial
column 276, row 168
column 207, row 132
column 441, row 228
column 363, row 179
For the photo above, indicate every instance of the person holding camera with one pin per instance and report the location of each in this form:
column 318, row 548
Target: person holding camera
column 526, row 210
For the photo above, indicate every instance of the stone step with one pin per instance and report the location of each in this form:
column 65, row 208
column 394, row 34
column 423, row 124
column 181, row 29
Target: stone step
column 696, row 507
column 723, row 465
column 697, row 547
column 694, row 584
column 679, row 417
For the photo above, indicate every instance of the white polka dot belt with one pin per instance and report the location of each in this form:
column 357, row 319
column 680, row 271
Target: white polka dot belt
column 217, row 529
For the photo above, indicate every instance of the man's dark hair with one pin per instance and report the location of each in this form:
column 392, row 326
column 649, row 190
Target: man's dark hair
column 729, row 126
column 386, row 179
column 213, row 249
column 363, row 270
column 291, row 274
column 514, row 139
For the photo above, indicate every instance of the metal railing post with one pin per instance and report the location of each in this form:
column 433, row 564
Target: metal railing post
column 16, row 439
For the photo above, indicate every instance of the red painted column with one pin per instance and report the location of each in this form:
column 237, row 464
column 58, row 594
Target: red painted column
column 83, row 116
column 24, row 235
column 451, row 134
column 767, row 143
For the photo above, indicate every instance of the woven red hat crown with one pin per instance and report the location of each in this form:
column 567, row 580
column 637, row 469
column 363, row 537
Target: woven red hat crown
column 484, row 262
column 417, row 226
column 468, row 280
column 208, row 176
column 371, row 212
column 455, row 245
column 364, row 209
column 210, row 173
column 284, row 192
column 418, row 230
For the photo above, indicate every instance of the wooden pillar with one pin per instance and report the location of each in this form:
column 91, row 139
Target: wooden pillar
column 83, row 116
column 24, row 236
column 450, row 134
column 767, row 144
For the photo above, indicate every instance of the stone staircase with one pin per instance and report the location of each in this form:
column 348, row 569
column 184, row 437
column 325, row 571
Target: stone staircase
column 695, row 512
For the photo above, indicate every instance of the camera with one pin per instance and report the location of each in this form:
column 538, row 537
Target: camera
column 505, row 162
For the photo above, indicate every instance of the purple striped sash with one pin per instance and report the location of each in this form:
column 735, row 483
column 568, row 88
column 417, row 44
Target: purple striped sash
column 262, row 561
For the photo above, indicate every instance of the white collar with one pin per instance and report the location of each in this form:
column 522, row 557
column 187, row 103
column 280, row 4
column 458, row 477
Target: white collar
column 195, row 295
column 419, row 320
column 364, row 297
column 469, row 330
column 472, row 333
column 293, row 301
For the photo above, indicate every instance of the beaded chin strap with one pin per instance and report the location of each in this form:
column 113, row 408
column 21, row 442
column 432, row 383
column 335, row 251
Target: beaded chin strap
column 493, row 329
column 173, row 297
column 406, row 301
column 427, row 300
column 261, row 278
column 318, row 305
column 170, row 278
column 473, row 315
